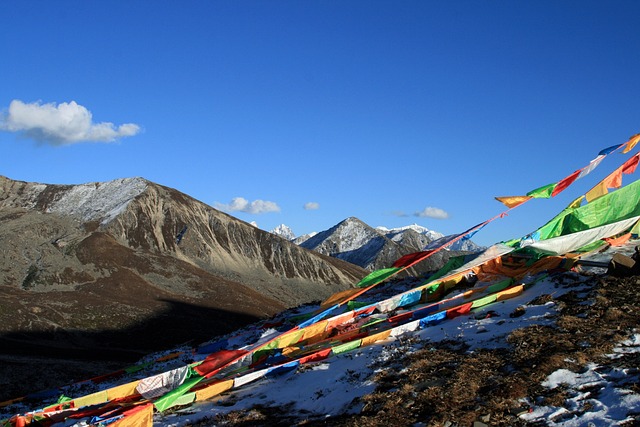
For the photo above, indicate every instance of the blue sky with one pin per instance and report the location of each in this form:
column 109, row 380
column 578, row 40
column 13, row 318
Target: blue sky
column 381, row 110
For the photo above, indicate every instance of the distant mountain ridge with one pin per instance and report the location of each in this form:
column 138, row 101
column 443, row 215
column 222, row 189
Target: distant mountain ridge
column 398, row 231
column 374, row 248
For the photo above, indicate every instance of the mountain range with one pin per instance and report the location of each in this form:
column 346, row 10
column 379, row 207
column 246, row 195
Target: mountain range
column 371, row 248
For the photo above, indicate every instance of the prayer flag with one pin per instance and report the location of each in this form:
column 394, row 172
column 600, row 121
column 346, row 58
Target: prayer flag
column 631, row 143
column 513, row 201
column 615, row 179
column 591, row 166
column 576, row 203
column 563, row 184
column 411, row 259
column 542, row 192
column 610, row 149
column 630, row 165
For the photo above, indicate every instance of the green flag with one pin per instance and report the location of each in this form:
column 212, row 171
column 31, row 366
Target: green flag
column 377, row 276
column 542, row 192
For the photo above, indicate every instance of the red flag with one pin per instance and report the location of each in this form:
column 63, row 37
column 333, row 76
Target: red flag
column 411, row 259
column 563, row 184
column 315, row 357
column 630, row 165
column 459, row 311
column 217, row 360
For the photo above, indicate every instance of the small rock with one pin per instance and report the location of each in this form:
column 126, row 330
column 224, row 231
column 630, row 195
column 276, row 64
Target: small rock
column 517, row 312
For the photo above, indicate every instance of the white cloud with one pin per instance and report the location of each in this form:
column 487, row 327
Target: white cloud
column 430, row 212
column 65, row 123
column 240, row 204
column 311, row 206
column 399, row 213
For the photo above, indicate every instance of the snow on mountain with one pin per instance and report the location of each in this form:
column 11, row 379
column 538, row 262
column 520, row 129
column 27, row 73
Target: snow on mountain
column 373, row 248
column 434, row 238
column 298, row 240
column 349, row 235
column 94, row 201
column 430, row 234
column 103, row 201
column 466, row 246
column 284, row 231
column 354, row 241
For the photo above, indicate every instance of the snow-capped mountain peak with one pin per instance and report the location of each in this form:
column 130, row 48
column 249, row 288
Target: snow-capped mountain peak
column 431, row 234
column 284, row 231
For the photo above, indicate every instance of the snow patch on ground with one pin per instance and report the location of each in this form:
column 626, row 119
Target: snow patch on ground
column 600, row 396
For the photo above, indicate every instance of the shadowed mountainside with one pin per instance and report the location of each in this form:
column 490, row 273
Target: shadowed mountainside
column 51, row 358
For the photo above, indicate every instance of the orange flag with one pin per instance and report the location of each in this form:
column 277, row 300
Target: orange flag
column 631, row 143
column 513, row 201
column 614, row 180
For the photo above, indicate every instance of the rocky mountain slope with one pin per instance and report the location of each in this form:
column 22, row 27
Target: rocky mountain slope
column 86, row 267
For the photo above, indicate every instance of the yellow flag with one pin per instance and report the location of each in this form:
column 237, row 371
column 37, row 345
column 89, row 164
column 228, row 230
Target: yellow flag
column 213, row 390
column 599, row 190
column 576, row 203
column 124, row 390
column 91, row 399
column 513, row 201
